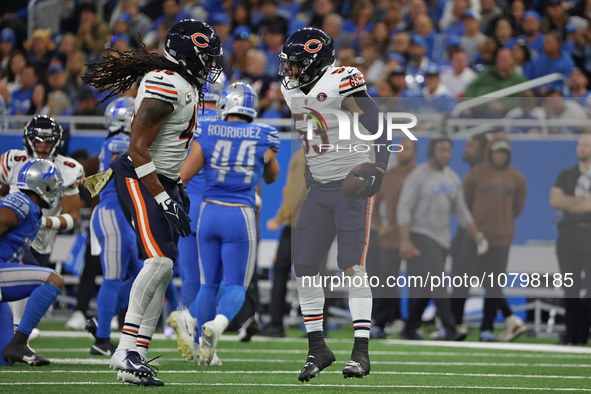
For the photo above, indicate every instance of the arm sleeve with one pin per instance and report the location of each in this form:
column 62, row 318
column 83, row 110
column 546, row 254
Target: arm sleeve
column 352, row 81
column 160, row 86
column 371, row 121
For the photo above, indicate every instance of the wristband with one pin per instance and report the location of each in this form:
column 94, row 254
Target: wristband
column 160, row 198
column 145, row 169
column 55, row 222
column 69, row 221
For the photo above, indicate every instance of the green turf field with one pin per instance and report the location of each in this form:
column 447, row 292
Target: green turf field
column 273, row 365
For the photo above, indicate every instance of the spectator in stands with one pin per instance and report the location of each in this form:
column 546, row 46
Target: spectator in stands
column 517, row 13
column 59, row 104
column 495, row 194
column 457, row 78
column 244, row 41
column 68, row 44
column 386, row 304
column 222, row 24
column 557, row 107
column 489, row 12
column 454, row 24
column 93, row 32
column 571, row 201
column 551, row 60
column 380, row 37
column 39, row 51
column 401, row 44
column 320, row 10
column 393, row 18
column 430, row 194
column 171, row 13
column 87, row 107
column 273, row 40
column 39, row 101
column 486, row 54
column 374, row 66
column 139, row 23
column 76, row 68
column 332, row 26
column 529, row 109
column 555, row 18
column 424, row 28
column 472, row 37
column 415, row 9
column 57, row 79
column 503, row 31
column 417, row 63
column 521, row 55
column 436, row 96
column 360, row 23
column 269, row 12
column 7, row 44
column 20, row 100
column 397, row 80
column 499, row 76
column 294, row 194
column 578, row 83
column 534, row 39
column 16, row 64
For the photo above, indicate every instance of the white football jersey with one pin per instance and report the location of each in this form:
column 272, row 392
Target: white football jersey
column 329, row 158
column 169, row 149
column 72, row 174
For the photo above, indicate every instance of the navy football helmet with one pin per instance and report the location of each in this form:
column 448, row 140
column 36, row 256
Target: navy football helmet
column 309, row 51
column 43, row 128
column 196, row 47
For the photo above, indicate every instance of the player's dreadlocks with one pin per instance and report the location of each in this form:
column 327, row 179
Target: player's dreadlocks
column 118, row 71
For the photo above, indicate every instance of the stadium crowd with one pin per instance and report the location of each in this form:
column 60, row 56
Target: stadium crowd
column 415, row 48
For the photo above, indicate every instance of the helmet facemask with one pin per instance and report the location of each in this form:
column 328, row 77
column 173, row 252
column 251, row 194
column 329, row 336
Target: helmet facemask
column 42, row 130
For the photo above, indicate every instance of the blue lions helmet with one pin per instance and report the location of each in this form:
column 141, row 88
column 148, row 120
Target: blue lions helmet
column 197, row 48
column 215, row 90
column 44, row 179
column 240, row 99
column 118, row 115
column 309, row 52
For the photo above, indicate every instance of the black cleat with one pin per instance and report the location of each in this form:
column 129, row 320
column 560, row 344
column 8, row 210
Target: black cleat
column 318, row 360
column 359, row 365
column 250, row 328
column 21, row 352
column 91, row 326
column 103, row 348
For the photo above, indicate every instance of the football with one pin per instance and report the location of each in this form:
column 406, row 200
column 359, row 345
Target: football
column 353, row 184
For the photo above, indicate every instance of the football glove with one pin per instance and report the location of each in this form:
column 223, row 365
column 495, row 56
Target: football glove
column 184, row 196
column 373, row 180
column 176, row 216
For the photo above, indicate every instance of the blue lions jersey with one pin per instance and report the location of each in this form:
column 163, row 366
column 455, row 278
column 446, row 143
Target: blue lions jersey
column 234, row 158
column 116, row 144
column 197, row 183
column 17, row 241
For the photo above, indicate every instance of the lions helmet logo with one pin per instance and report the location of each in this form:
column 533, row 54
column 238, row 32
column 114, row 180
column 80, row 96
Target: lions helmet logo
column 203, row 38
column 313, row 45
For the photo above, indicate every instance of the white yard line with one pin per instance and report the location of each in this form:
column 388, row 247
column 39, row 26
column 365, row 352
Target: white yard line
column 530, row 347
column 363, row 386
column 105, row 361
column 215, row 372
column 224, row 350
